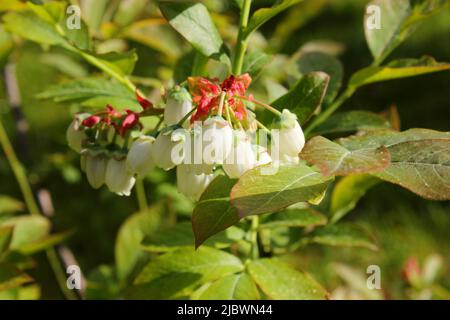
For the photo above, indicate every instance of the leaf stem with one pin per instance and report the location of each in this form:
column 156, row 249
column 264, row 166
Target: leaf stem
column 254, row 237
column 261, row 104
column 241, row 46
column 27, row 193
column 330, row 110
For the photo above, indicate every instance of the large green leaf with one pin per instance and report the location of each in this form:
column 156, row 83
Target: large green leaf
column 6, row 233
column 128, row 251
column 342, row 235
column 397, row 69
column 30, row 26
column 398, row 21
column 256, row 193
column 347, row 192
column 305, row 97
column 352, row 121
column 181, row 235
column 419, row 159
column 178, row 273
column 233, row 287
column 263, row 15
column 280, row 281
column 422, row 167
column 92, row 92
column 294, row 218
column 27, row 230
column 333, row 159
column 121, row 64
column 193, row 22
column 213, row 213
column 319, row 61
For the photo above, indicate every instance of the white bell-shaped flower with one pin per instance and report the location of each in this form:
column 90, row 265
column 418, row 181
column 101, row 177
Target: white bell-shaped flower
column 262, row 156
column 139, row 158
column 179, row 104
column 217, row 140
column 242, row 157
column 118, row 179
column 190, row 184
column 291, row 139
column 75, row 134
column 96, row 170
column 169, row 148
column 194, row 152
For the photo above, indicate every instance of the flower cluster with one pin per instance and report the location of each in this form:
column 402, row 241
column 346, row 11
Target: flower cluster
column 210, row 127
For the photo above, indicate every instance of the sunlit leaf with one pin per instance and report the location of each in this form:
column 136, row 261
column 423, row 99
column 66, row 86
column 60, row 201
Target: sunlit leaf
column 232, row 287
column 397, row 69
column 178, row 273
column 257, row 193
column 334, row 159
column 282, row 282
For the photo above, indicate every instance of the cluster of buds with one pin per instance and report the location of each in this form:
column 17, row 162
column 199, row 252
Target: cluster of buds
column 209, row 126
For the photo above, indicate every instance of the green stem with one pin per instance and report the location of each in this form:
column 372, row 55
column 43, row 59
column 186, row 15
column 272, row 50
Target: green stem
column 241, row 46
column 330, row 110
column 33, row 208
column 254, row 237
column 19, row 171
column 262, row 105
column 182, row 121
column 141, row 197
column 221, row 103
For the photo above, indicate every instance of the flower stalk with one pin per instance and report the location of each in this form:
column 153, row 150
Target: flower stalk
column 241, row 47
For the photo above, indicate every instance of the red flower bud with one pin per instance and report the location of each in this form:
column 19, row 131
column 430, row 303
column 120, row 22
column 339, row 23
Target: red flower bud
column 91, row 121
column 145, row 104
column 129, row 122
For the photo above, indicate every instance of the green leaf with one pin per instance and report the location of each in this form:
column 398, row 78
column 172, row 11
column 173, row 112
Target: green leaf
column 181, row 235
column 184, row 67
column 398, row 21
column 120, row 63
column 11, row 277
column 281, row 282
column 352, row 121
column 347, row 192
column 178, row 273
column 305, row 97
column 342, row 235
column 92, row 92
column 232, row 287
column 254, row 63
column 333, row 159
column 422, row 167
column 213, row 213
column 10, row 205
column 257, row 193
column 28, row 25
column 397, row 69
column 261, row 16
column 319, row 61
column 44, row 243
column 79, row 38
column 27, row 229
column 294, row 218
column 193, row 22
column 393, row 14
column 128, row 251
column 6, row 45
column 93, row 12
column 419, row 159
